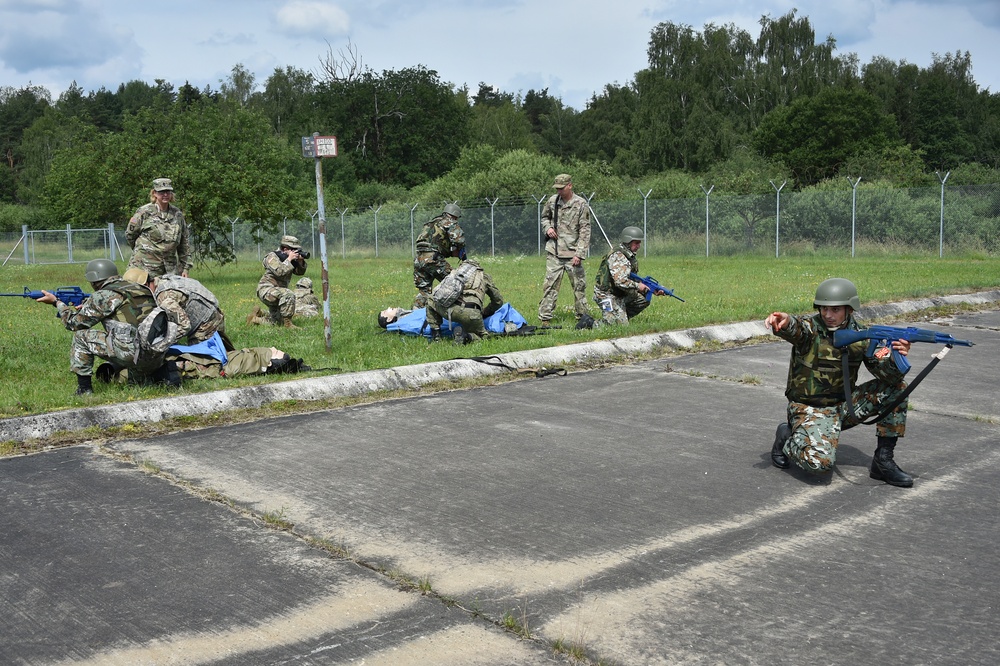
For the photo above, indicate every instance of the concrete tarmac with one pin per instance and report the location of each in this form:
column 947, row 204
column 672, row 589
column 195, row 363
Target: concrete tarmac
column 629, row 514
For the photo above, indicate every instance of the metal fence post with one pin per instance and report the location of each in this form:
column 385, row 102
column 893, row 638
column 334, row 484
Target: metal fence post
column 69, row 243
column 27, row 238
column 538, row 226
column 854, row 209
column 644, row 234
column 493, row 250
column 343, row 243
column 413, row 242
column 376, row 227
column 941, row 241
column 707, row 192
column 777, row 214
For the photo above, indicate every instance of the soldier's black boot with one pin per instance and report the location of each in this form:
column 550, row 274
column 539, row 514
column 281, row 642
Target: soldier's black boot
column 778, row 457
column 435, row 335
column 884, row 468
column 459, row 334
column 84, row 385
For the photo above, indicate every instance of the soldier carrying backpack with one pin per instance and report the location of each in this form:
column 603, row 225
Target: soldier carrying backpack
column 460, row 299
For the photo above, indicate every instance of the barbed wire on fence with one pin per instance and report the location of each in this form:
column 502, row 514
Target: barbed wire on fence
column 927, row 220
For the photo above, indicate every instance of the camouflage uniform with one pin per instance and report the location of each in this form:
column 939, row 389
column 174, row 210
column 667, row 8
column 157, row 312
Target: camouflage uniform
column 468, row 311
column 441, row 237
column 273, row 291
column 306, row 303
column 815, row 392
column 192, row 306
column 160, row 241
column 572, row 225
column 248, row 361
column 615, row 292
column 119, row 306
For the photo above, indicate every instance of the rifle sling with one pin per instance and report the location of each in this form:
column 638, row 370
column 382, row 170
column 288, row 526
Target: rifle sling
column 852, row 420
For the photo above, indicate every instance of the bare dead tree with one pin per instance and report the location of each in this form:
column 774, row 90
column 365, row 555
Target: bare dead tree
column 343, row 67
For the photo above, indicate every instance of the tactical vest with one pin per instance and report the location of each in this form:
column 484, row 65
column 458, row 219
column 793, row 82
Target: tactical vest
column 139, row 301
column 201, row 303
column 816, row 375
column 603, row 279
column 475, row 289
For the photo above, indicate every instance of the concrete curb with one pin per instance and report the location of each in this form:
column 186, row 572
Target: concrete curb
column 40, row 426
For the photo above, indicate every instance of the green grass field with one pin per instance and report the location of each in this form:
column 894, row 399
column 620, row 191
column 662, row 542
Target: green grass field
column 34, row 347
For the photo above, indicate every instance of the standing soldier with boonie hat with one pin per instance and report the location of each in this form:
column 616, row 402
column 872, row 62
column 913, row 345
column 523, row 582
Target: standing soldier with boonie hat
column 566, row 225
column 441, row 237
column 158, row 234
column 272, row 290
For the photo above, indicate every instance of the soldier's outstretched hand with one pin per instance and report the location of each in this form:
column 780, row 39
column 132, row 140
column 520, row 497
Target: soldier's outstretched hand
column 776, row 321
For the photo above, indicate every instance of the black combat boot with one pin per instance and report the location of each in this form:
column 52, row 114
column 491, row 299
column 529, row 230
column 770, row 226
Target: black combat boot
column 884, row 468
column 435, row 335
column 83, row 385
column 459, row 334
column 778, row 457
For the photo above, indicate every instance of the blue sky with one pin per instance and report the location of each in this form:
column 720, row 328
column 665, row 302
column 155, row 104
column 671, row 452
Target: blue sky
column 505, row 43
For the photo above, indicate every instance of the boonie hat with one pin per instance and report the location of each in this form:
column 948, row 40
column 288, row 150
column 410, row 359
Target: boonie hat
column 163, row 185
column 137, row 275
column 562, row 180
column 290, row 241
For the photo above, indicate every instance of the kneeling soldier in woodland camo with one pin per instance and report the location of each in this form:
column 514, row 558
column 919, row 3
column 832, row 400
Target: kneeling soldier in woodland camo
column 818, row 408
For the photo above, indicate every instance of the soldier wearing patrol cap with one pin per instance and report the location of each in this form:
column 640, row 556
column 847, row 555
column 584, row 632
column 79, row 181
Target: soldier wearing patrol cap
column 272, row 290
column 158, row 234
column 566, row 226
column 817, row 388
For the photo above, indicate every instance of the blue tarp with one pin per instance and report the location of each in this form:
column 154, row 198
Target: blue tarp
column 212, row 347
column 412, row 323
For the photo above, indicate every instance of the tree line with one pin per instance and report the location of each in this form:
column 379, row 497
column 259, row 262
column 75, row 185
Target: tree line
column 713, row 107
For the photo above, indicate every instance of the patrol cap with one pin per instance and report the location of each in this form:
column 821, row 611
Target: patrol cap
column 291, row 242
column 304, row 283
column 137, row 275
column 562, row 180
column 163, row 185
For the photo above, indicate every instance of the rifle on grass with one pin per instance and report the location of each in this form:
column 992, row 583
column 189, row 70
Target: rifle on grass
column 654, row 288
column 68, row 295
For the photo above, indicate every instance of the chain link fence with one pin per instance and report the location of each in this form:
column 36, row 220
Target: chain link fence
column 933, row 221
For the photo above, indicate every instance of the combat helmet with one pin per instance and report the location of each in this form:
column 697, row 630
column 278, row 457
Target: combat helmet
column 453, row 210
column 630, row 234
column 837, row 291
column 99, row 270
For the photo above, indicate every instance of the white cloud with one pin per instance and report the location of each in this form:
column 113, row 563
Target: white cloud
column 317, row 19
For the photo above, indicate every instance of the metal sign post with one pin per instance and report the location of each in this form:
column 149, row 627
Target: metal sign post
column 318, row 147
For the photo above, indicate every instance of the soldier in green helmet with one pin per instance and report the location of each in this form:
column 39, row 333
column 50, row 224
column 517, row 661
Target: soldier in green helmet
column 817, row 401
column 441, row 237
column 620, row 297
column 120, row 307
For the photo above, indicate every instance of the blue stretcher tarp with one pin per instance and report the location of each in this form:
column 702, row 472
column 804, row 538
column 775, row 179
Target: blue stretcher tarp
column 213, row 347
column 412, row 323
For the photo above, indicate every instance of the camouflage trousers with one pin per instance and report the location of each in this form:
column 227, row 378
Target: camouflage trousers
column 94, row 343
column 280, row 303
column 427, row 267
column 619, row 309
column 555, row 267
column 816, row 430
column 470, row 319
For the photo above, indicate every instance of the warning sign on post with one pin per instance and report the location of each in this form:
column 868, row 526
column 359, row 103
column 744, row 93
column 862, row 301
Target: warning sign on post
column 319, row 146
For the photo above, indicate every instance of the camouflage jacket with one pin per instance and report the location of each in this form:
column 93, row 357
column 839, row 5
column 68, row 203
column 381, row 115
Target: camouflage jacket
column 118, row 305
column 478, row 288
column 815, row 373
column 443, row 235
column 188, row 301
column 160, row 241
column 572, row 224
column 278, row 273
column 612, row 274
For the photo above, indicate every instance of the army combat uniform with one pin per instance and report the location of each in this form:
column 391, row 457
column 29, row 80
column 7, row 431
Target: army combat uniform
column 119, row 306
column 441, row 237
column 306, row 303
column 191, row 305
column 815, row 392
column 571, row 222
column 273, row 291
column 615, row 292
column 160, row 240
column 468, row 311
